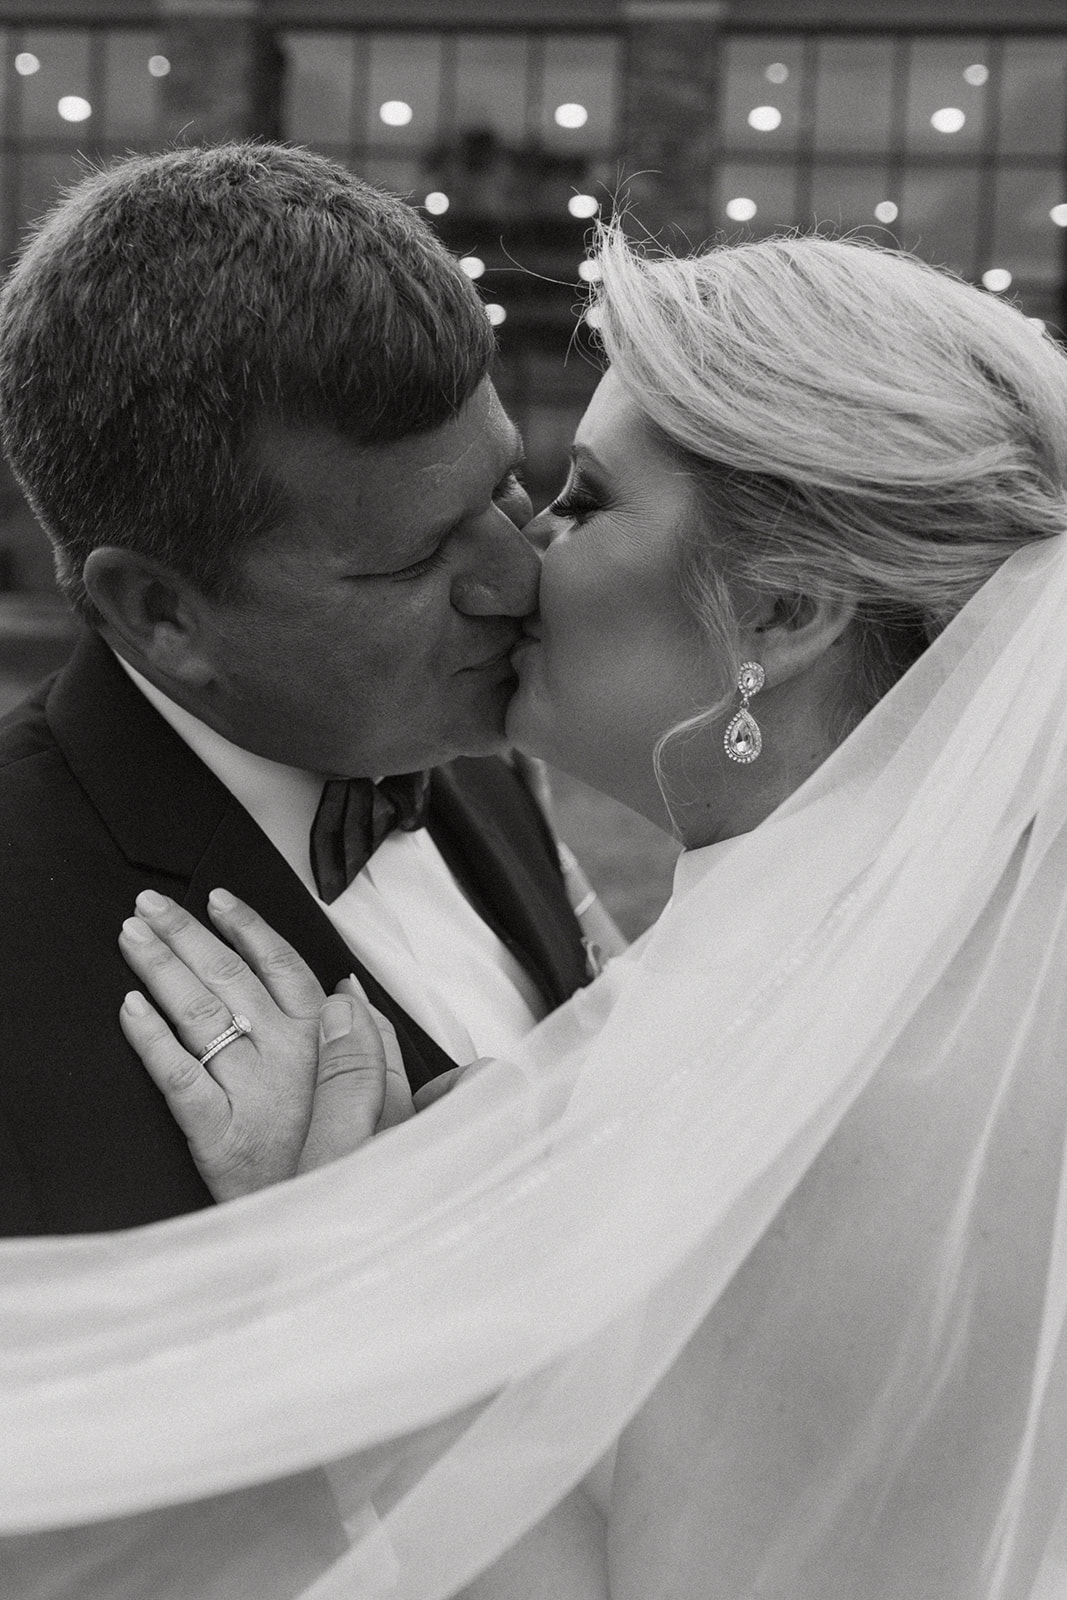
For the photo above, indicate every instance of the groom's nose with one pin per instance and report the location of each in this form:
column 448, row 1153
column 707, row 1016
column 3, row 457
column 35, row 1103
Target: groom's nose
column 501, row 570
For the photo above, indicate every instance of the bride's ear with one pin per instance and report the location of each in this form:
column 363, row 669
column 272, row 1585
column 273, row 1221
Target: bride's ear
column 790, row 633
column 149, row 614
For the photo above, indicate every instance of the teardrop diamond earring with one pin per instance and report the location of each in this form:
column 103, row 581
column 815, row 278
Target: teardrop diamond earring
column 743, row 740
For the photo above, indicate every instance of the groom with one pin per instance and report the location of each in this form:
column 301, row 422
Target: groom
column 247, row 397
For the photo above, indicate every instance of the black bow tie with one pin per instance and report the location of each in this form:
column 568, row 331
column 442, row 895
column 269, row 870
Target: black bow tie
column 354, row 816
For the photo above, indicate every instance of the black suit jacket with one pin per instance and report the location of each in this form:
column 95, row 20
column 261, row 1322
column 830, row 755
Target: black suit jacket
column 99, row 798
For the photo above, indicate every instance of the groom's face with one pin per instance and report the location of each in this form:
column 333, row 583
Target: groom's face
column 374, row 631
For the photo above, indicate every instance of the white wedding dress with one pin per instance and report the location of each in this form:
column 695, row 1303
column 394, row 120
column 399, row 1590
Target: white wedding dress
column 781, row 1200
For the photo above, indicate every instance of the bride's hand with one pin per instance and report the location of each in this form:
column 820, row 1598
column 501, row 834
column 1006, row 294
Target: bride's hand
column 247, row 1113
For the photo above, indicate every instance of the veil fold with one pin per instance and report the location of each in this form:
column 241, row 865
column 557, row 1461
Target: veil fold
column 793, row 1171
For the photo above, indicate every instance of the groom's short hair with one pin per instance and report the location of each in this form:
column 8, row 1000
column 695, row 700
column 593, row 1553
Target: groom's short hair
column 172, row 304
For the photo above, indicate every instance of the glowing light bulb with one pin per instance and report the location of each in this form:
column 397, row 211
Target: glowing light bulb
column 571, row 115
column 777, row 72
column 495, row 313
column 395, row 113
column 1059, row 215
column 26, row 64
column 436, row 203
column 583, row 205
column 997, row 279
column 765, row 118
column 976, row 75
column 949, row 119
column 73, row 108
column 473, row 266
column 590, row 271
column 887, row 211
column 741, row 209
column 158, row 66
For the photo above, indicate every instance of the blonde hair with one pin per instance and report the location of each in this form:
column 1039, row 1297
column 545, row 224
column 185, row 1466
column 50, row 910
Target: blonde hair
column 859, row 425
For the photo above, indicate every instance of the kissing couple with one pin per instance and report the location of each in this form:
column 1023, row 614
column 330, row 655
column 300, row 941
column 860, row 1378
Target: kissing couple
column 736, row 1271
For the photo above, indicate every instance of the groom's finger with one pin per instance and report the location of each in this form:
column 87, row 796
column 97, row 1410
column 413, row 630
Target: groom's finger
column 283, row 972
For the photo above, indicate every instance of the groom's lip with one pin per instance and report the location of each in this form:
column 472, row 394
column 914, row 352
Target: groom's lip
column 497, row 659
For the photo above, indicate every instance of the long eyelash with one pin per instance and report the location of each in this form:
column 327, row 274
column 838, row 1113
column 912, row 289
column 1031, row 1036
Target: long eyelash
column 573, row 505
column 420, row 567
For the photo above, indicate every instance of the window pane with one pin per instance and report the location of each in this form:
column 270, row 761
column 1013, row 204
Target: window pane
column 580, row 70
column 64, row 57
column 1033, row 112
column 40, row 180
column 746, row 85
column 1025, row 239
column 845, row 196
column 853, row 94
column 401, row 175
column 939, row 217
column 405, row 69
column 490, row 85
column 133, row 98
column 936, row 84
column 319, row 87
column 772, row 189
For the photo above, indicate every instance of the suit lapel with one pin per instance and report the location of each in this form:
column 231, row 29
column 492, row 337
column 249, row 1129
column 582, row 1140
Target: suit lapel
column 170, row 815
column 519, row 894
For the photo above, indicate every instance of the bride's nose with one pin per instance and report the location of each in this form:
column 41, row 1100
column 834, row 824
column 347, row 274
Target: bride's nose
column 541, row 530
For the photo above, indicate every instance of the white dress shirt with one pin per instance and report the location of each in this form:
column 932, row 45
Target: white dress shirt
column 404, row 916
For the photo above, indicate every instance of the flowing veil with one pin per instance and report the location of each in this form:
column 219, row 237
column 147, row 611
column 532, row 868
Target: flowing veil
column 829, row 1088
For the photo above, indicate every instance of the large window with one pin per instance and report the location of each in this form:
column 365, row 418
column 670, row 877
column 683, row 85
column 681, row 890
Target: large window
column 70, row 96
column 952, row 145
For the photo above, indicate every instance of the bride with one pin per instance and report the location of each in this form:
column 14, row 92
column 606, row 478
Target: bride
column 747, row 1275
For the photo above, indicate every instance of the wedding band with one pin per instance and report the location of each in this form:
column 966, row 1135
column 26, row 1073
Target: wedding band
column 237, row 1027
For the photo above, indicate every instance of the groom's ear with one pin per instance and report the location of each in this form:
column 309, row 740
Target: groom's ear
column 150, row 615
column 790, row 633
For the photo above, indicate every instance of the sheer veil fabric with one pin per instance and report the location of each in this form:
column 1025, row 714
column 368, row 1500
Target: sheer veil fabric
column 782, row 1196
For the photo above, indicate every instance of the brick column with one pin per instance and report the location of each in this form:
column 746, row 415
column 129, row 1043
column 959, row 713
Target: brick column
column 669, row 115
column 224, row 79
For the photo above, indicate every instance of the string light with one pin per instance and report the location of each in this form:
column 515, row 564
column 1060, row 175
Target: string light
column 997, row 279
column 436, row 203
column 764, row 118
column 741, row 209
column 473, row 266
column 26, row 64
column 1059, row 215
column 590, row 271
column 495, row 313
column 594, row 317
column 571, row 115
column 949, row 119
column 976, row 75
column 583, row 205
column 777, row 72
column 886, row 211
column 395, row 113
column 73, row 108
column 158, row 66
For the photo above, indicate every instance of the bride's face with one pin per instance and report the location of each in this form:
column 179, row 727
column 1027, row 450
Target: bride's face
column 618, row 659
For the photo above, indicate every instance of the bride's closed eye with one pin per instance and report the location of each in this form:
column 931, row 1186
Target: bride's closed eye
column 575, row 504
